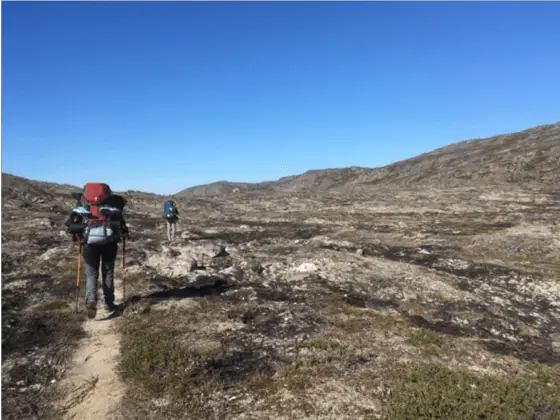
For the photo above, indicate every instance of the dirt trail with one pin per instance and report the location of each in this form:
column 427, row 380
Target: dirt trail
column 93, row 388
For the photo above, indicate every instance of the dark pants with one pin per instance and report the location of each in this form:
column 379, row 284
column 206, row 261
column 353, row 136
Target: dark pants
column 93, row 256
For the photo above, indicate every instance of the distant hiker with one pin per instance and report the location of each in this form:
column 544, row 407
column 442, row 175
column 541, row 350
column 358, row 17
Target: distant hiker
column 99, row 226
column 171, row 216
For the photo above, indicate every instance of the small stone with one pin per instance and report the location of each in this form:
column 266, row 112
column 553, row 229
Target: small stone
column 256, row 267
column 307, row 268
column 188, row 235
column 235, row 272
column 45, row 222
column 555, row 342
column 160, row 402
column 169, row 252
column 192, row 265
column 526, row 331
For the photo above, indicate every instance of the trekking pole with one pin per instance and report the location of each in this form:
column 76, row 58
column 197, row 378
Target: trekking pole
column 78, row 276
column 123, row 272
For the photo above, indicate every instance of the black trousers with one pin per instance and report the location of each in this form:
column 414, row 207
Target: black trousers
column 105, row 255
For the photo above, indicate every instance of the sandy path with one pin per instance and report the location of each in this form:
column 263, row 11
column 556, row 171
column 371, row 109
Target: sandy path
column 92, row 385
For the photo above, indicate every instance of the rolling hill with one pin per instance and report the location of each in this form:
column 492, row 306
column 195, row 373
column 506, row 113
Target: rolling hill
column 531, row 156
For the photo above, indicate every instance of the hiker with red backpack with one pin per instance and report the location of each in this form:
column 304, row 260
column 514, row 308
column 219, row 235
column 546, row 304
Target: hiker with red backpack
column 99, row 226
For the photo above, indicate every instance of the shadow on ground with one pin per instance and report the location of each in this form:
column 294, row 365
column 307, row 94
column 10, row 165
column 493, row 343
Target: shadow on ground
column 205, row 285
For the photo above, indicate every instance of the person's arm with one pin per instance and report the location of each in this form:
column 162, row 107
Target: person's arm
column 75, row 226
column 74, row 219
column 70, row 219
column 69, row 223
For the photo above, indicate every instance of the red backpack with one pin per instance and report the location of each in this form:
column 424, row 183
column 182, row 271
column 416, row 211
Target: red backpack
column 105, row 211
column 95, row 194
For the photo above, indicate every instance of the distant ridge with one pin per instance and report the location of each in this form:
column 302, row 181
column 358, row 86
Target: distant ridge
column 529, row 156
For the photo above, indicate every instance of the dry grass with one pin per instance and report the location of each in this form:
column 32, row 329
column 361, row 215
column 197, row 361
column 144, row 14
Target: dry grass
column 433, row 391
column 40, row 343
column 424, row 337
column 187, row 366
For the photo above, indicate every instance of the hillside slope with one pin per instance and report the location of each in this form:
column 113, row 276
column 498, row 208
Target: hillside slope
column 526, row 157
column 530, row 156
column 24, row 190
column 224, row 187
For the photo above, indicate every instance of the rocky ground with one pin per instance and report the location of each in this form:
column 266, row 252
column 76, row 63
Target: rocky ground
column 395, row 304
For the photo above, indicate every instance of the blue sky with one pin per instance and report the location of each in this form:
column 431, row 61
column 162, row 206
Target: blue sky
column 162, row 96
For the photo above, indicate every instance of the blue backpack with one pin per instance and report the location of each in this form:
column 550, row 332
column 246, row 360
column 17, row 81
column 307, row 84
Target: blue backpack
column 169, row 209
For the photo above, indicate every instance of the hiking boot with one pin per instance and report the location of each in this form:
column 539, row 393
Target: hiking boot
column 110, row 307
column 91, row 309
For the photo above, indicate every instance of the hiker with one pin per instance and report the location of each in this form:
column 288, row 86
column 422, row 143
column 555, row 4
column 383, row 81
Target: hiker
column 171, row 216
column 99, row 226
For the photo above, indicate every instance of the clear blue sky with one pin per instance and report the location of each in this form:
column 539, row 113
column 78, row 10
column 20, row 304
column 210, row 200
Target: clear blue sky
column 162, row 96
